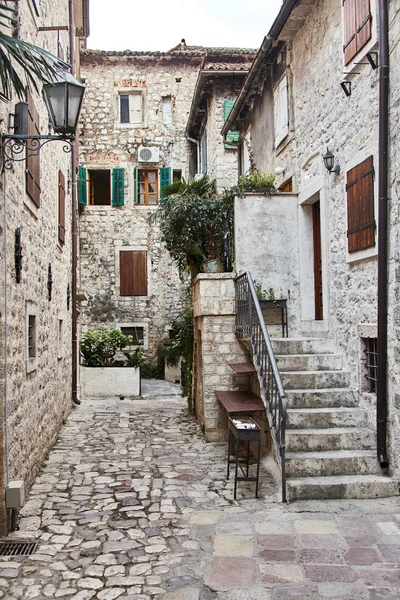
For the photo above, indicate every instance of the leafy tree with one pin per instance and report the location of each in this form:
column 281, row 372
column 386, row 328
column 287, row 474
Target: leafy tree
column 36, row 63
column 99, row 347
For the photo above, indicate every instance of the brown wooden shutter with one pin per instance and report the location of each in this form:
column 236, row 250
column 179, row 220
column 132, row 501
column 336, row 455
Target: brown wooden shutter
column 363, row 23
column 349, row 37
column 133, row 273
column 357, row 27
column 33, row 162
column 61, row 206
column 360, row 206
column 367, row 216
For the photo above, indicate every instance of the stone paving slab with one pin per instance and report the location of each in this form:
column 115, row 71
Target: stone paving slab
column 133, row 503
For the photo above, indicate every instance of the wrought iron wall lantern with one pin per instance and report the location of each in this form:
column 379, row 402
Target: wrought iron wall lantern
column 329, row 162
column 63, row 99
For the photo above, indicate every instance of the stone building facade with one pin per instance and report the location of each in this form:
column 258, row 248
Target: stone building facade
column 313, row 87
column 35, row 324
column 133, row 127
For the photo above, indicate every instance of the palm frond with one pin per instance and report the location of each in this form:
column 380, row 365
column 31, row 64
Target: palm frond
column 36, row 63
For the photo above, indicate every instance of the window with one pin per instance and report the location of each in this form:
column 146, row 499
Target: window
column 105, row 187
column 133, row 273
column 357, row 27
column 130, row 108
column 167, row 110
column 31, row 337
column 360, row 206
column 177, row 174
column 231, row 136
column 32, row 171
column 60, row 337
column 281, row 111
column 61, row 207
column 136, row 332
column 371, row 362
column 148, row 186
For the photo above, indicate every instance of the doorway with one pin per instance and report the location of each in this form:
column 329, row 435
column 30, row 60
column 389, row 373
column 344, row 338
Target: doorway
column 317, row 250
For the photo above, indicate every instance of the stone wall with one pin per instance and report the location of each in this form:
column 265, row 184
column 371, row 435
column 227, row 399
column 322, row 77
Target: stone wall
column 104, row 230
column 215, row 347
column 35, row 396
column 322, row 116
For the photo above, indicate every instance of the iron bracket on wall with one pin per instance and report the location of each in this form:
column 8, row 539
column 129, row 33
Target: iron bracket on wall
column 16, row 148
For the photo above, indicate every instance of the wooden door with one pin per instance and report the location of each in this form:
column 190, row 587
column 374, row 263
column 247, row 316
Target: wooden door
column 316, row 210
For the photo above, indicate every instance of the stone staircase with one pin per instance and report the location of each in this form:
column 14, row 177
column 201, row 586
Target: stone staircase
column 330, row 450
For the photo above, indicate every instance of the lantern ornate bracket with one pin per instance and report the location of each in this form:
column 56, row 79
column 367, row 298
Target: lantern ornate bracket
column 16, row 148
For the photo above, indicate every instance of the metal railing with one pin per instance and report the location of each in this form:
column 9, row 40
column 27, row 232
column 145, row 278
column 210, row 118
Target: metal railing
column 250, row 325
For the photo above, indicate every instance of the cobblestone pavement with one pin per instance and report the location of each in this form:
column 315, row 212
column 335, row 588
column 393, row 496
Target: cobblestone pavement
column 133, row 504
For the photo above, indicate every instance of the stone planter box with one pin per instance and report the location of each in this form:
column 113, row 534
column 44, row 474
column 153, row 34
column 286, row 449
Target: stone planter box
column 110, row 381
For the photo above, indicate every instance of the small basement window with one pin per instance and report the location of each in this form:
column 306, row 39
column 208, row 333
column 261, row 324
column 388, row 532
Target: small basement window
column 371, row 363
column 136, row 332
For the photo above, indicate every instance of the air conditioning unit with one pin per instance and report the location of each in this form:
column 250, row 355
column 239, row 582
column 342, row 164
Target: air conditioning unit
column 198, row 176
column 148, row 155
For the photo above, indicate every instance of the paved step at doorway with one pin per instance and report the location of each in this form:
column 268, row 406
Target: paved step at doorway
column 330, row 450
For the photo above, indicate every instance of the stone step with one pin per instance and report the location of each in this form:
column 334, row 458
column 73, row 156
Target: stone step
column 303, row 346
column 315, row 379
column 309, row 362
column 313, row 440
column 321, row 418
column 342, row 486
column 334, row 462
column 321, row 398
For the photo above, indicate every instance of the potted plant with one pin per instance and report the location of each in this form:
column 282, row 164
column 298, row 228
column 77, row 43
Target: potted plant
column 194, row 223
column 102, row 372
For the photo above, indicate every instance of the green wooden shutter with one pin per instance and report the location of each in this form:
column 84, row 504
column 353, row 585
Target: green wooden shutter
column 165, row 179
column 82, row 186
column 118, row 187
column 136, row 186
column 231, row 136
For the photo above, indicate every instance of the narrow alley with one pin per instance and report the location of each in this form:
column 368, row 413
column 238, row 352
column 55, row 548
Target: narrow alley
column 133, row 503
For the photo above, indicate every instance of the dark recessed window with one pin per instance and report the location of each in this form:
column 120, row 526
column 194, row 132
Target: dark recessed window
column 136, row 332
column 31, row 336
column 371, row 362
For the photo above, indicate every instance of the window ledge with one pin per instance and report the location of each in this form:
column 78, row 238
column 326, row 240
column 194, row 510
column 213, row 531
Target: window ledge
column 362, row 255
column 31, row 365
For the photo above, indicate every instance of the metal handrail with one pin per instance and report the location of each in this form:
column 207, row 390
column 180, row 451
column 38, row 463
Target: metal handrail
column 250, row 324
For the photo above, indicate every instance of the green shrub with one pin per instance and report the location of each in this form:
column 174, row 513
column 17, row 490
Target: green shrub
column 98, row 348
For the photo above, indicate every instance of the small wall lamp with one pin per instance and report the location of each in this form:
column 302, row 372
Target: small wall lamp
column 329, row 162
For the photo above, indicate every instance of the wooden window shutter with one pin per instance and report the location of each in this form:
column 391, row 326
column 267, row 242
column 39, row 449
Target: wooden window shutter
column 363, row 23
column 133, row 273
column 231, row 136
column 360, row 206
column 118, row 187
column 82, row 186
column 61, row 207
column 357, row 27
column 33, row 162
column 165, row 178
column 281, row 111
column 136, row 186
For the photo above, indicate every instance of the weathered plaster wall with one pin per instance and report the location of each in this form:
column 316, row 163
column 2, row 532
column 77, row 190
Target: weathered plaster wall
column 34, row 403
column 266, row 242
column 105, row 230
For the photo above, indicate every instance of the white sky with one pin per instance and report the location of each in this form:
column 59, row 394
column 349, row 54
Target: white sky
column 161, row 24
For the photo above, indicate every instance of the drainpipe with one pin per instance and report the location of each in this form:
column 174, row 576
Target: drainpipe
column 198, row 151
column 381, row 391
column 75, row 398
